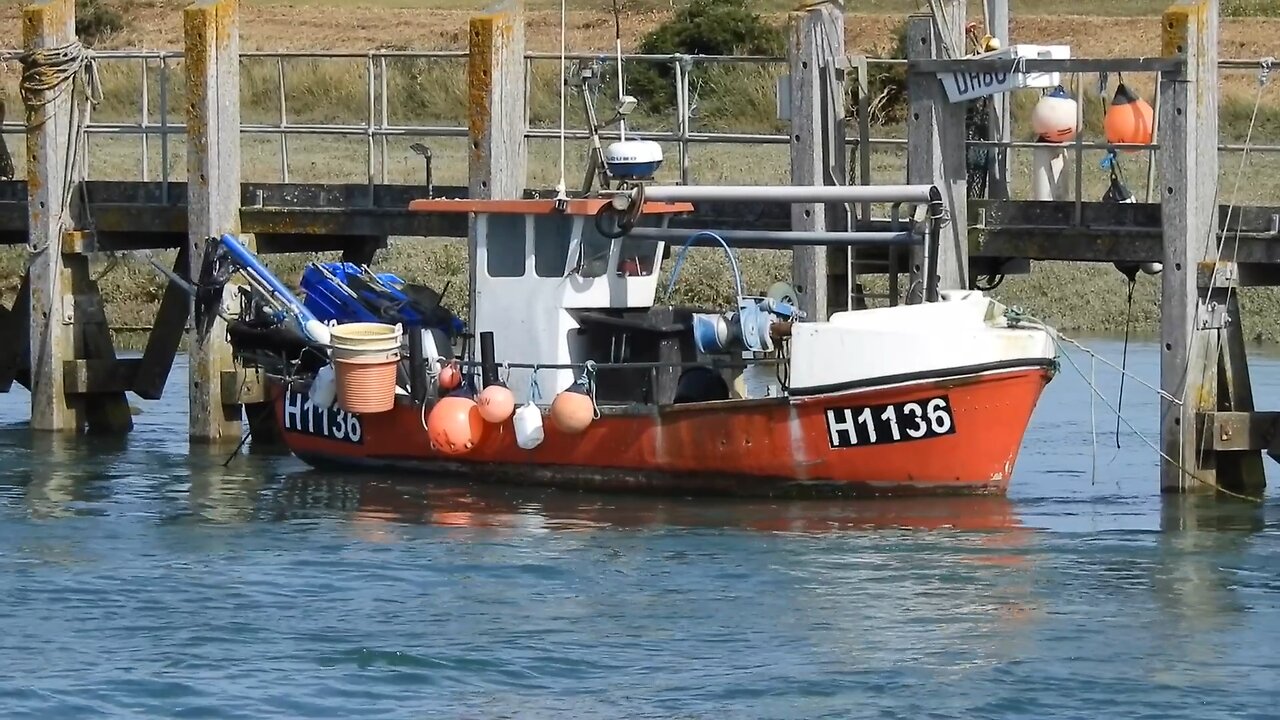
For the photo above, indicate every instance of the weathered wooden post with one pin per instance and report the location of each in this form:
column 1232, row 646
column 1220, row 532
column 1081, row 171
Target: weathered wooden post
column 816, row 55
column 49, row 24
column 212, row 63
column 497, row 160
column 936, row 148
column 75, row 379
column 496, row 104
column 1202, row 364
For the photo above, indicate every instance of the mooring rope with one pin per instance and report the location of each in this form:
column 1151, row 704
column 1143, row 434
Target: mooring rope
column 1059, row 340
column 47, row 74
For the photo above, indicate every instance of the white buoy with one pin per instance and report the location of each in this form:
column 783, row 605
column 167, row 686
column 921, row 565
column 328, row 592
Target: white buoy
column 1048, row 163
column 1054, row 118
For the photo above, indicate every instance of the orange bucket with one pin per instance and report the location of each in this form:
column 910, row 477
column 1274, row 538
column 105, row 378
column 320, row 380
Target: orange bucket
column 366, row 386
column 365, row 356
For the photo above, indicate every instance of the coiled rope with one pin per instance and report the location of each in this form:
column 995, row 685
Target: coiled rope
column 47, row 75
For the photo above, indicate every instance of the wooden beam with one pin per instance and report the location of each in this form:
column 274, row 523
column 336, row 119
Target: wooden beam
column 243, row 386
column 936, row 149
column 211, row 59
column 49, row 24
column 496, row 111
column 107, row 410
column 924, row 66
column 1240, row 431
column 166, row 334
column 1194, row 324
column 15, row 355
column 97, row 377
column 815, row 35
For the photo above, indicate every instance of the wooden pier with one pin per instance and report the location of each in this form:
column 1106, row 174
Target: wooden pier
column 1212, row 437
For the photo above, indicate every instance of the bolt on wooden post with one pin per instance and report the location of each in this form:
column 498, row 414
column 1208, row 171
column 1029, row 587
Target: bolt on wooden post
column 212, row 58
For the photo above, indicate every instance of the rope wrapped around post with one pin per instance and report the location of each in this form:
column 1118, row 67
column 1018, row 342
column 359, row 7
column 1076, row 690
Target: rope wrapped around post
column 46, row 75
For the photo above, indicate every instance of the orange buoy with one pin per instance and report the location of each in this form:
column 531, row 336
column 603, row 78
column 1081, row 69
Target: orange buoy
column 1129, row 119
column 450, row 376
column 454, row 425
column 573, row 409
column 496, row 403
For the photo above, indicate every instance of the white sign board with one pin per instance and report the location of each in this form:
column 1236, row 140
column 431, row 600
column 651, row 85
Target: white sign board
column 970, row 85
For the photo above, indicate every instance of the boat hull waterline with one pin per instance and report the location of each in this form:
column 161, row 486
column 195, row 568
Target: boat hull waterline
column 948, row 434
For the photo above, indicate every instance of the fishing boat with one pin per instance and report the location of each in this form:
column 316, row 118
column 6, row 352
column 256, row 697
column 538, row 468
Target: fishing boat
column 574, row 368
column 583, row 377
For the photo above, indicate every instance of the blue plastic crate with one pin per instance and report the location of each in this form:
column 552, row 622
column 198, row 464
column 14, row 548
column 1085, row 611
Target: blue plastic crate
column 330, row 302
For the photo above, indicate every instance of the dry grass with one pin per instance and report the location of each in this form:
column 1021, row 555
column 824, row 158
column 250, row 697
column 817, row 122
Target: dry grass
column 430, row 92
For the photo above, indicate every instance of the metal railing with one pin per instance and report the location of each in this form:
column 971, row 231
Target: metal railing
column 377, row 128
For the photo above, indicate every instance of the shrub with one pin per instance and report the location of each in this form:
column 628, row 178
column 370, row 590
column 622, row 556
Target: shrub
column 703, row 27
column 96, row 21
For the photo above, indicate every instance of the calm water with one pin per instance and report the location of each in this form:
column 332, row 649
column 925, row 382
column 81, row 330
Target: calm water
column 140, row 581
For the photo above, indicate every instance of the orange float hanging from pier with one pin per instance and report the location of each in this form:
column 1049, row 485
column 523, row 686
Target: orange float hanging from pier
column 1129, row 119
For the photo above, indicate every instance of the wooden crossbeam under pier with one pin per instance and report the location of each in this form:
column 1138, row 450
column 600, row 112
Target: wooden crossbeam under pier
column 298, row 217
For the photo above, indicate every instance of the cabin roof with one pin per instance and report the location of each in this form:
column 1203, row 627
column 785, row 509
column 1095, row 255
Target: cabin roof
column 576, row 206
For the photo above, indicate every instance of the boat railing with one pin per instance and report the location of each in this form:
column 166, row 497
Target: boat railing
column 921, row 228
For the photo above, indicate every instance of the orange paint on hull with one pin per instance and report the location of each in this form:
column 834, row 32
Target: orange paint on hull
column 822, row 444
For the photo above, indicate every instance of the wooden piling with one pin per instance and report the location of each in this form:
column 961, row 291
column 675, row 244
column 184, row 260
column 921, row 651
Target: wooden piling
column 50, row 24
column 936, row 148
column 211, row 29
column 815, row 54
column 496, row 114
column 496, row 104
column 1202, row 366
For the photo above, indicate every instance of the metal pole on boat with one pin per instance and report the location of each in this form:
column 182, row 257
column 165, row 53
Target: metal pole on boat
column 774, row 238
column 785, row 193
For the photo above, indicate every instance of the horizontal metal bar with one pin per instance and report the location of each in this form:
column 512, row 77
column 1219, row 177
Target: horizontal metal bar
column 778, row 238
column 1032, row 65
column 789, row 193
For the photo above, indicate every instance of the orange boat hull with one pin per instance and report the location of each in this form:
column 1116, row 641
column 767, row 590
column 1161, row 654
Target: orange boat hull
column 956, row 434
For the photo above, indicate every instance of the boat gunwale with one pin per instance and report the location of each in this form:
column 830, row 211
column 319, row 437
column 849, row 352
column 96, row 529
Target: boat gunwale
column 940, row 375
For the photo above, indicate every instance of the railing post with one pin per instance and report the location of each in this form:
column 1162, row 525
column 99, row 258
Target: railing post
column 212, row 67
column 936, row 151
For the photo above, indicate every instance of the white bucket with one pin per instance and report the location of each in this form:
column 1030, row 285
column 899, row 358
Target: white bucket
column 528, row 423
column 365, row 338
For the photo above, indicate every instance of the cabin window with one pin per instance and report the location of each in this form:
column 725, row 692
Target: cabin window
column 637, row 257
column 551, row 234
column 595, row 250
column 504, row 246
